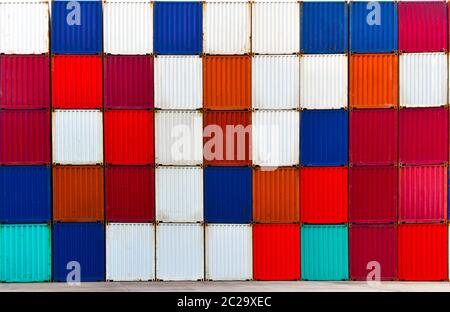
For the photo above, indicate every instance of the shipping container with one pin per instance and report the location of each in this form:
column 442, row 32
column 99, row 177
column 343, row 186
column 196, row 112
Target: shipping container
column 179, row 251
column 78, row 252
column 323, row 81
column 77, row 27
column 373, row 80
column 373, row 252
column 25, row 194
column 130, row 194
column 24, row 137
column 422, row 194
column 179, row 194
column 129, row 137
column 25, row 253
column 276, row 252
column 128, row 27
column 373, row 194
column 130, row 252
column 324, row 195
column 77, row 137
column 227, row 82
column 177, row 27
column 276, row 27
column 77, row 81
column 128, row 81
column 422, row 252
column 228, row 194
column 324, row 252
column 423, row 136
column 25, row 81
column 324, row 27
column 275, row 82
column 275, row 138
column 228, row 252
column 324, row 137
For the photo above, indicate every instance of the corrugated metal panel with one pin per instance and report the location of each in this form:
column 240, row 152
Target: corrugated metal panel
column 423, row 79
column 275, row 82
column 179, row 251
column 25, row 253
column 422, row 194
column 178, row 138
column 179, row 194
column 25, row 194
column 275, row 138
column 324, row 252
column 323, row 81
column 128, row 27
column 24, row 28
column 77, row 137
column 227, row 82
column 178, row 82
column 228, row 252
column 130, row 252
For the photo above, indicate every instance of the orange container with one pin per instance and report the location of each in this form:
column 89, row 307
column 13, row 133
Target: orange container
column 373, row 80
column 78, row 193
column 227, row 82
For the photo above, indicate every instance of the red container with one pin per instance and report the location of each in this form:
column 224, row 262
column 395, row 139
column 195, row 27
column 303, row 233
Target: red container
column 422, row 252
column 373, row 194
column 276, row 251
column 129, row 137
column 25, row 81
column 128, row 81
column 422, row 26
column 373, row 136
column 422, row 194
column 77, row 81
column 227, row 138
column 373, row 243
column 24, row 137
column 324, row 195
column 130, row 194
column 423, row 136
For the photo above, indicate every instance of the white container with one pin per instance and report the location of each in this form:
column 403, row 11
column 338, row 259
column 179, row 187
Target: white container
column 226, row 27
column 24, row 28
column 179, row 137
column 179, row 251
column 275, row 138
column 275, row 27
column 179, row 194
column 275, row 82
column 77, row 137
column 323, row 81
column 229, row 252
column 423, row 79
column 128, row 28
column 130, row 252
column 178, row 82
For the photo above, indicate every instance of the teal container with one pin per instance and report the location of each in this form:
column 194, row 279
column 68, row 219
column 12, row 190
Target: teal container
column 25, row 253
column 324, row 252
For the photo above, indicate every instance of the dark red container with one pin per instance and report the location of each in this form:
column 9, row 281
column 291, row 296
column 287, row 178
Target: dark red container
column 128, row 81
column 130, row 194
column 24, row 81
column 373, row 243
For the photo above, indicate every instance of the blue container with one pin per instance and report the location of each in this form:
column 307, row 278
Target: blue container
column 77, row 27
column 80, row 242
column 324, row 27
column 25, row 194
column 228, row 194
column 177, row 27
column 324, row 137
column 373, row 27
